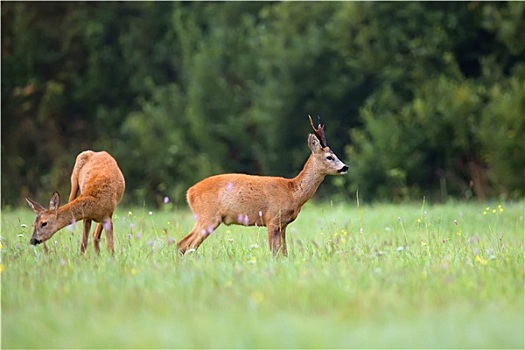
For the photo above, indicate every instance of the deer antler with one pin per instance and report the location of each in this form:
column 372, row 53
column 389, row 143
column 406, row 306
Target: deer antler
column 319, row 132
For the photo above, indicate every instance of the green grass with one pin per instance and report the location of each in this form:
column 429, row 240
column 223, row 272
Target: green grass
column 385, row 276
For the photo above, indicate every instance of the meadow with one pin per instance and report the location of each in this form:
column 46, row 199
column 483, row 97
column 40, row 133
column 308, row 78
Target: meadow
column 369, row 276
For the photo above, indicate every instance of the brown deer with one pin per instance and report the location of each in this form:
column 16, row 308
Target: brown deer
column 252, row 200
column 101, row 185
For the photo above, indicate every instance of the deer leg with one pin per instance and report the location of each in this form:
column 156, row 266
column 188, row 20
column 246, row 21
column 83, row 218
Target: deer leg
column 96, row 237
column 198, row 234
column 108, row 227
column 85, row 233
column 277, row 240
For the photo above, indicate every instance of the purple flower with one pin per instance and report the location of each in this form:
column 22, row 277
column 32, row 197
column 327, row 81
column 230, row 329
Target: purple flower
column 171, row 241
column 107, row 225
column 166, row 200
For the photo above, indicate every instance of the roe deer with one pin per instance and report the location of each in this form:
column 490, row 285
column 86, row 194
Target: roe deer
column 251, row 200
column 101, row 185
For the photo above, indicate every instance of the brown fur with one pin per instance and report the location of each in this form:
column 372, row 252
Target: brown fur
column 252, row 200
column 101, row 184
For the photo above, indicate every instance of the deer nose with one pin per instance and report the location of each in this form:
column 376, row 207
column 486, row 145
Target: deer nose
column 343, row 170
column 34, row 241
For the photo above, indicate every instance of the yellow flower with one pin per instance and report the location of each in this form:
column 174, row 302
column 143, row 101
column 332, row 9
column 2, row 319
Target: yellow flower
column 133, row 271
column 0, row 246
column 2, row 268
column 481, row 260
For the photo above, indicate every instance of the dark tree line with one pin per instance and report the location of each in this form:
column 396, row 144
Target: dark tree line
column 419, row 98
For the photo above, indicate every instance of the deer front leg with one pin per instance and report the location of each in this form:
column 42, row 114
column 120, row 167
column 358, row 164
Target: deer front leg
column 85, row 233
column 277, row 240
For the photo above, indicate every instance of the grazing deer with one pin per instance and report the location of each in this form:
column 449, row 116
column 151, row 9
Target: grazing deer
column 252, row 200
column 101, row 185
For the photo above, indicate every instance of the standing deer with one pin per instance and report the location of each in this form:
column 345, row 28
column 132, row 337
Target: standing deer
column 251, row 200
column 101, row 185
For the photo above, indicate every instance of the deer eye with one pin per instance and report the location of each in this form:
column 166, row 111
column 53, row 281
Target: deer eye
column 330, row 158
column 44, row 224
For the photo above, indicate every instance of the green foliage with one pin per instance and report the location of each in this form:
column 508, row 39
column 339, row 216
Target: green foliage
column 382, row 276
column 416, row 93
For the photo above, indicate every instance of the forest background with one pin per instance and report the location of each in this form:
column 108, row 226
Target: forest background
column 419, row 98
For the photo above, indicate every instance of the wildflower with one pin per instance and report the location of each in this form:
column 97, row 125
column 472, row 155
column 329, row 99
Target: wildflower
column 2, row 268
column 425, row 214
column 150, row 213
column 71, row 227
column 63, row 262
column 0, row 246
column 399, row 218
column 137, row 236
column 107, row 225
column 166, row 200
column 129, row 235
column 418, row 221
column 500, row 208
column 133, row 271
column 130, row 213
column 456, row 222
column 481, row 260
column 171, row 241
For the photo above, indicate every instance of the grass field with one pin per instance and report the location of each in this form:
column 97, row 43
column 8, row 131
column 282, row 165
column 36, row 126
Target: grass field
column 382, row 276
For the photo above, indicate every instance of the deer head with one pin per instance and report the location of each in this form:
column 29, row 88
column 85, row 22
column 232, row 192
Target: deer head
column 330, row 164
column 46, row 222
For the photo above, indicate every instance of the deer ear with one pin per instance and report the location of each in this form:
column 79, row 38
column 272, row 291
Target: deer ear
column 37, row 208
column 54, row 203
column 313, row 143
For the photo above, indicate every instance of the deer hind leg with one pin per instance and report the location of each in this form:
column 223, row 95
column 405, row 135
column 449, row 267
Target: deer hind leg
column 108, row 227
column 85, row 235
column 277, row 240
column 201, row 231
column 96, row 237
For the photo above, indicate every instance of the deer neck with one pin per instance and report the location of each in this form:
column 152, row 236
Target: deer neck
column 72, row 212
column 307, row 182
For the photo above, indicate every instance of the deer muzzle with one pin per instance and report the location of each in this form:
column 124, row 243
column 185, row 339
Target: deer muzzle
column 343, row 170
column 34, row 241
